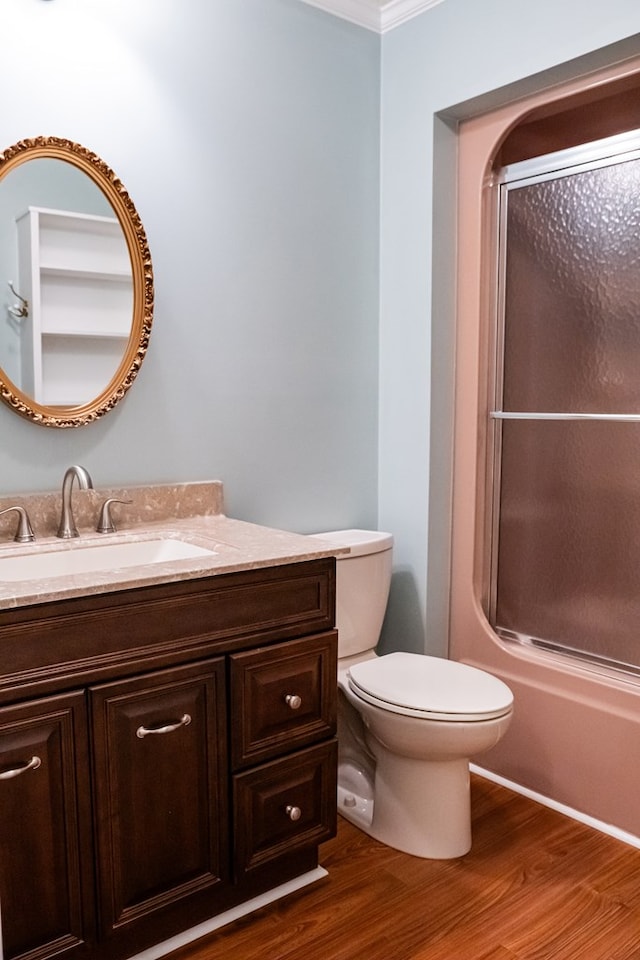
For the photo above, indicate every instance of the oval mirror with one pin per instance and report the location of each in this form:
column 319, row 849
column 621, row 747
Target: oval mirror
column 76, row 282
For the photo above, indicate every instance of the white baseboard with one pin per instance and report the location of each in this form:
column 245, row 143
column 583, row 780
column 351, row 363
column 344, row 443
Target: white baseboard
column 600, row 825
column 209, row 926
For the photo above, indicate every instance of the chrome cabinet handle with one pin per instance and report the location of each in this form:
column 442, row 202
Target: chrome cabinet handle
column 33, row 764
column 184, row 721
column 293, row 700
column 294, row 813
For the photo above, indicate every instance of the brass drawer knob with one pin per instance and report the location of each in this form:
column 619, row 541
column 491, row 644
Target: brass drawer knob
column 293, row 701
column 294, row 813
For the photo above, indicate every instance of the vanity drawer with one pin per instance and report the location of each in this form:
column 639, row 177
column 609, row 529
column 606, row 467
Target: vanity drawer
column 283, row 697
column 284, row 806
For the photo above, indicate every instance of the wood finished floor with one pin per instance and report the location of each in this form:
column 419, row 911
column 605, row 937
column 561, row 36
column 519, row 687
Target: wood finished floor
column 535, row 886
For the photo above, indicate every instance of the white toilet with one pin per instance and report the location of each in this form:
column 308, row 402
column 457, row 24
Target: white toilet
column 407, row 723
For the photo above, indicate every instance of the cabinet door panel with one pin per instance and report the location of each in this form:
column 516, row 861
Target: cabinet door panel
column 44, row 834
column 160, row 786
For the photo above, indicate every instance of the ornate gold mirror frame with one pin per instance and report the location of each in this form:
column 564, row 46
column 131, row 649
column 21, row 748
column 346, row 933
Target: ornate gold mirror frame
column 142, row 279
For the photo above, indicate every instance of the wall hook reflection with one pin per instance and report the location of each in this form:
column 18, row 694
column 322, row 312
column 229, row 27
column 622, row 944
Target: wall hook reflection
column 18, row 310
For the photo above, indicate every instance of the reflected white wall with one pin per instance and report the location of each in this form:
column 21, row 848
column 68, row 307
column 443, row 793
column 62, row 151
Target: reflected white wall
column 52, row 184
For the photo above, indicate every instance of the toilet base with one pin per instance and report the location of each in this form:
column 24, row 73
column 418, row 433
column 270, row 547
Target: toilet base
column 358, row 810
column 421, row 808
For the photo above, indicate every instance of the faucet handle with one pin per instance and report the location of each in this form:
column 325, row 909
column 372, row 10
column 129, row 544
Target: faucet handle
column 105, row 520
column 24, row 532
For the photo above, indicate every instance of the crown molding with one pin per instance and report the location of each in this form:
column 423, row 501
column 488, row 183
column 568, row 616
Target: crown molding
column 377, row 15
column 395, row 12
column 366, row 13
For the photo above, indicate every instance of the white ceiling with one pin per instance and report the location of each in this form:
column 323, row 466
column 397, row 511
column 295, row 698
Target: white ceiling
column 377, row 15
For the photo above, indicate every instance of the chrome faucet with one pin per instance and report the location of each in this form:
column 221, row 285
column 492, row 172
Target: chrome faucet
column 24, row 533
column 67, row 528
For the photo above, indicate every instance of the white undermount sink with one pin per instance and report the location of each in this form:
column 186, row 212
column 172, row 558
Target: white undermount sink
column 78, row 559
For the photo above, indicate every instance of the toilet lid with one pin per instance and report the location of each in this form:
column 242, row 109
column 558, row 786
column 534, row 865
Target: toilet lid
column 430, row 687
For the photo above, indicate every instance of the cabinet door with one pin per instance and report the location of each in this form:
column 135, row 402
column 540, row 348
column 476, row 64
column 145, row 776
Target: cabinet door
column 45, row 843
column 160, row 795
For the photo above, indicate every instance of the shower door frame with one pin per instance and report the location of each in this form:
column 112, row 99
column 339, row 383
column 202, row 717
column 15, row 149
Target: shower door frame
column 586, row 157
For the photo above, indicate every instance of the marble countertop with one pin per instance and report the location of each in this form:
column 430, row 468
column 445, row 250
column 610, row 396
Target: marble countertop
column 235, row 546
column 190, row 512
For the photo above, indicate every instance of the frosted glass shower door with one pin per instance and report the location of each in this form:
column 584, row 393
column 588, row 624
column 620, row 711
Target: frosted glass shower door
column 566, row 465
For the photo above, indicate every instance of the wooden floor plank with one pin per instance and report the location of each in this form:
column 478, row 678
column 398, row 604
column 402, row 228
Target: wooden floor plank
column 535, row 886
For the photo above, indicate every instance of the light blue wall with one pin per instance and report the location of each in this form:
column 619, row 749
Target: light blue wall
column 247, row 134
column 457, row 59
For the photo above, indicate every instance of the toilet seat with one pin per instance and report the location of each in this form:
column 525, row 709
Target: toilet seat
column 429, row 688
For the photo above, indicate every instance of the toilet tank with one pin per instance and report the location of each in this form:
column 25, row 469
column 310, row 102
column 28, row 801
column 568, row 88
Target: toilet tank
column 363, row 577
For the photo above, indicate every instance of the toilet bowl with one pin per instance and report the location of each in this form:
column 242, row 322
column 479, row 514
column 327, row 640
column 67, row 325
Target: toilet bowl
column 422, row 719
column 407, row 723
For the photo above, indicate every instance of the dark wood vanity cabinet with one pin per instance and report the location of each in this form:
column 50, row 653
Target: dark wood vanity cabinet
column 165, row 753
column 46, row 864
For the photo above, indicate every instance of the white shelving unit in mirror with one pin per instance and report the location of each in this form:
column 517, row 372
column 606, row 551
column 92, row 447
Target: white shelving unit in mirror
column 75, row 271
